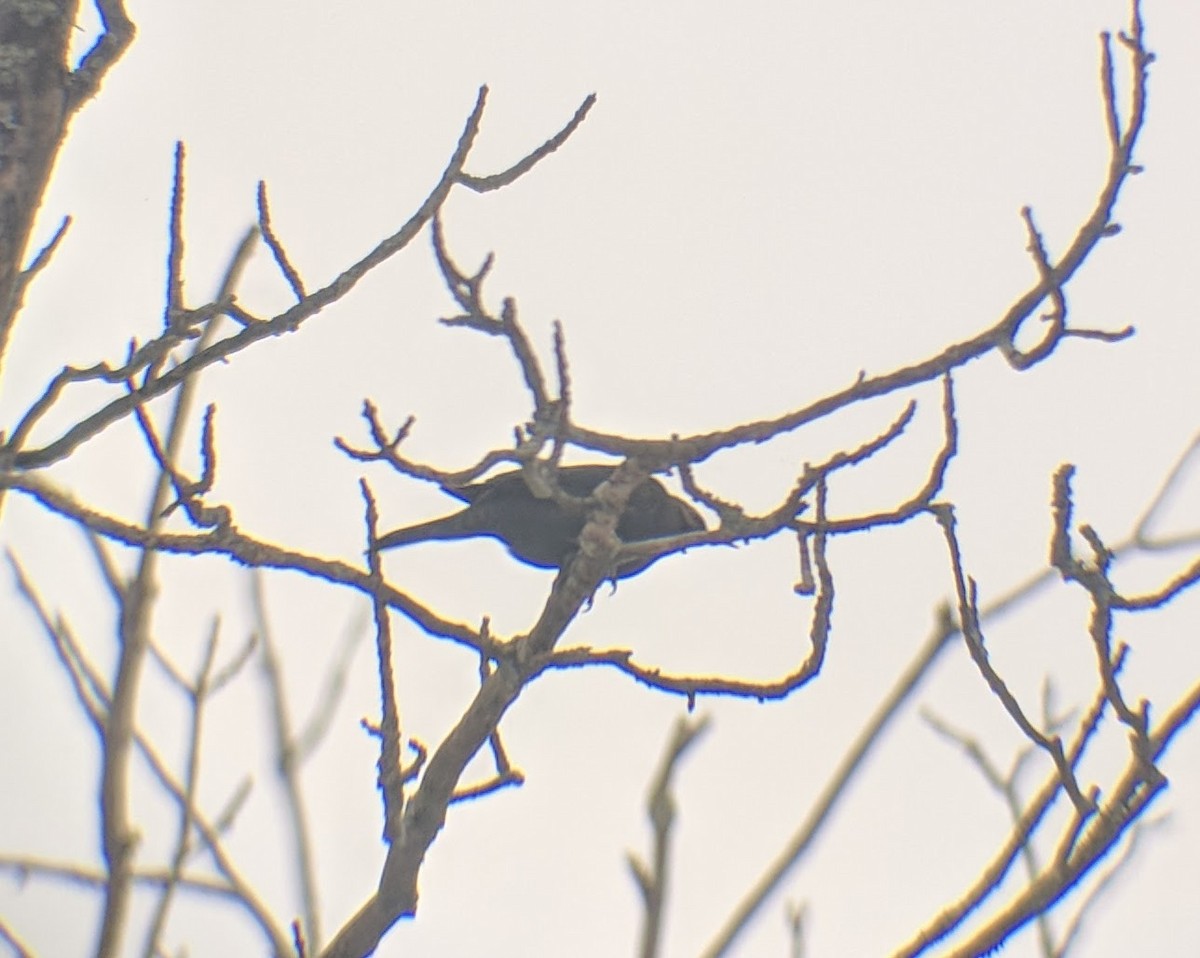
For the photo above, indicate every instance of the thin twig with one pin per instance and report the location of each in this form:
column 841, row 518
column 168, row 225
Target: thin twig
column 652, row 879
column 199, row 691
column 275, row 245
column 287, row 768
column 794, row 848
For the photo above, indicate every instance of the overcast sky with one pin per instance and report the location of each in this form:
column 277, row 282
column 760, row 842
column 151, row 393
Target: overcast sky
column 766, row 199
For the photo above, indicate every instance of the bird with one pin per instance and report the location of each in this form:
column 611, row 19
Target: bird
column 544, row 533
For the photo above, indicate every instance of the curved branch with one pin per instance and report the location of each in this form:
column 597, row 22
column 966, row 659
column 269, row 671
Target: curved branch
column 1052, row 278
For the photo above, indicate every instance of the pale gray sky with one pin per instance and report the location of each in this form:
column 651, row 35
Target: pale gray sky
column 766, row 198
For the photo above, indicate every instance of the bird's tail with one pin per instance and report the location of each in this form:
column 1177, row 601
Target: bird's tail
column 448, row 527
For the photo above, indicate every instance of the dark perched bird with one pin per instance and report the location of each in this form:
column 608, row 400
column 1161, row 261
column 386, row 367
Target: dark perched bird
column 544, row 533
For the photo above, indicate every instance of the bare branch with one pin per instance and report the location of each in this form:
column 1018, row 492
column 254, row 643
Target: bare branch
column 390, row 764
column 287, row 767
column 483, row 184
column 199, row 691
column 505, row 776
column 221, row 350
column 973, row 634
column 43, row 257
column 652, row 879
column 174, row 298
column 247, row 551
column 118, row 34
column 795, row 847
column 993, row 874
column 276, row 246
column 1091, row 232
